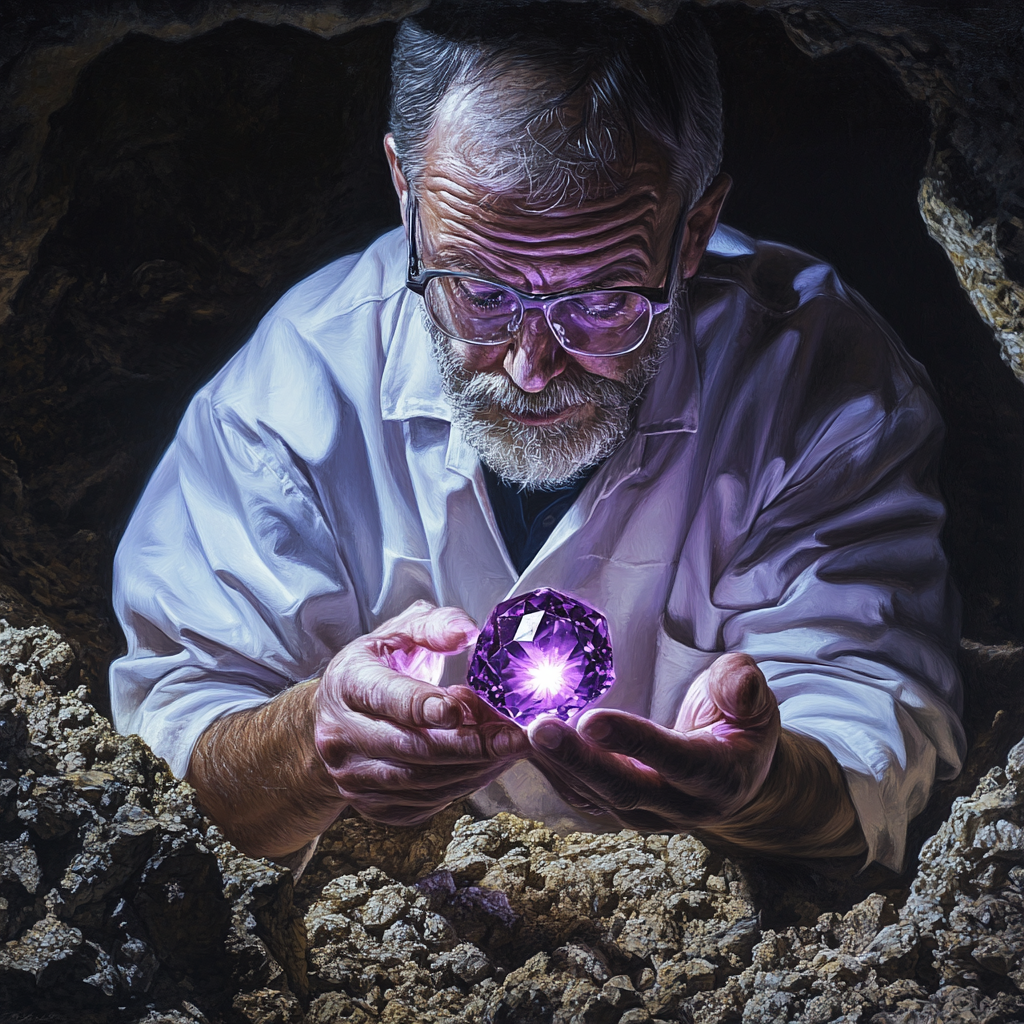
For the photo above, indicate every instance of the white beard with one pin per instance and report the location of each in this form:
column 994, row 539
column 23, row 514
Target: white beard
column 552, row 456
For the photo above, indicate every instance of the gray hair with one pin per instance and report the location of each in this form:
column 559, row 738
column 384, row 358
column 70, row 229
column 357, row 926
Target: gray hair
column 558, row 97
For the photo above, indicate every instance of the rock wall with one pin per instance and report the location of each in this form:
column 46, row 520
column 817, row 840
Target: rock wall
column 167, row 171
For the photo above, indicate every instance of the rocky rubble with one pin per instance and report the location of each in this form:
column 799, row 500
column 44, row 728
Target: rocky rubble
column 115, row 894
column 518, row 924
column 120, row 902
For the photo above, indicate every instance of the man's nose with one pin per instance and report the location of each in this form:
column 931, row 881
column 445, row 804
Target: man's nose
column 535, row 357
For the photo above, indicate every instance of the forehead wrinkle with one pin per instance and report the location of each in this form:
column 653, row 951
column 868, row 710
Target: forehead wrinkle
column 568, row 242
column 574, row 243
column 470, row 203
column 621, row 242
column 452, row 259
column 603, row 243
column 534, row 229
column 445, row 185
column 621, row 250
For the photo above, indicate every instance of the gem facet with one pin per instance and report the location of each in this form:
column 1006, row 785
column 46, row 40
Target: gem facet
column 542, row 652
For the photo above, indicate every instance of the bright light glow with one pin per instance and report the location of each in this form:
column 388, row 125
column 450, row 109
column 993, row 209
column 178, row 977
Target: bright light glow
column 546, row 675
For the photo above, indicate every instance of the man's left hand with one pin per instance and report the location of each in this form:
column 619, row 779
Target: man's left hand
column 697, row 774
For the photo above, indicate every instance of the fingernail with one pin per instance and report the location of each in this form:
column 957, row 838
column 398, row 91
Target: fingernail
column 507, row 742
column 548, row 736
column 597, row 729
column 467, row 627
column 753, row 704
column 747, row 695
column 438, row 711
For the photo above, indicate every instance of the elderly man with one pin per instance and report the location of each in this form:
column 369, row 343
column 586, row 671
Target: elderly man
column 562, row 373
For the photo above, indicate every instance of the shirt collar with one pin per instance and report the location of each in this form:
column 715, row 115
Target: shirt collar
column 411, row 383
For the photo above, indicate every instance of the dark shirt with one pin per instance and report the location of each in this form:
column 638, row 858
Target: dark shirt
column 526, row 517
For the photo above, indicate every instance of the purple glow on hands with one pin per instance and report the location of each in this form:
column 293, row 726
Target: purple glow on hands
column 419, row 662
column 542, row 652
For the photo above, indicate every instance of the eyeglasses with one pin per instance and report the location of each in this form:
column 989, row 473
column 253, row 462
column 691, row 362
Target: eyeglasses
column 602, row 322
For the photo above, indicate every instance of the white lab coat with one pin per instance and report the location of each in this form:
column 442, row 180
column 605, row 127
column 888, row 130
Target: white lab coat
column 777, row 497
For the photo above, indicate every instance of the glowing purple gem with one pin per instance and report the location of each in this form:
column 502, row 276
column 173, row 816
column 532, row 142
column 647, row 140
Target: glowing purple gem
column 542, row 652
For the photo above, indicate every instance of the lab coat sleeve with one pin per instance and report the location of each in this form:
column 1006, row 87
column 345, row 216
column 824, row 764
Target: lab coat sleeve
column 837, row 586
column 228, row 583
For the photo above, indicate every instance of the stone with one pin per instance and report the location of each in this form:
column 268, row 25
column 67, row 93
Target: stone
column 468, row 964
column 638, row 1015
column 111, row 891
column 384, row 907
column 542, row 653
column 620, row 993
column 42, row 958
column 583, row 960
column 268, row 1006
column 333, row 1007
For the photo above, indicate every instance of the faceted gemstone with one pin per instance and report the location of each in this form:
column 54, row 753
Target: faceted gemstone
column 542, row 652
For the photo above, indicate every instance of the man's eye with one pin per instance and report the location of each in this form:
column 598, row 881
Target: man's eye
column 483, row 296
column 602, row 305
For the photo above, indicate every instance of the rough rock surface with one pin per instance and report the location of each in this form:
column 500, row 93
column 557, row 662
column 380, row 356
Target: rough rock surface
column 967, row 66
column 980, row 265
column 119, row 902
column 114, row 891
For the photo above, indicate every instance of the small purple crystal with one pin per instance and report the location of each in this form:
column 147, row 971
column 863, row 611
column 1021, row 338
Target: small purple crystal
column 542, row 652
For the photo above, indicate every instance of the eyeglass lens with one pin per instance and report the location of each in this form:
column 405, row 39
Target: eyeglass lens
column 484, row 313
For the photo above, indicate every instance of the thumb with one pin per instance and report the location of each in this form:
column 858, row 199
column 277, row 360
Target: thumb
column 445, row 630
column 739, row 690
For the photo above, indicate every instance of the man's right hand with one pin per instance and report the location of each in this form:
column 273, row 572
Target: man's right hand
column 400, row 749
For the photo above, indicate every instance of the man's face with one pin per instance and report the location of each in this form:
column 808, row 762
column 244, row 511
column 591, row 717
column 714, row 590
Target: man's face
column 537, row 414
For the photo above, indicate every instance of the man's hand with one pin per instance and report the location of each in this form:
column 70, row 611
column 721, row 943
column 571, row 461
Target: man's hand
column 398, row 748
column 726, row 768
column 708, row 766
column 394, row 747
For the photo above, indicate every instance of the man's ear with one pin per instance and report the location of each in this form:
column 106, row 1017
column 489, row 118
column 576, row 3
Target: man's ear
column 397, row 176
column 701, row 222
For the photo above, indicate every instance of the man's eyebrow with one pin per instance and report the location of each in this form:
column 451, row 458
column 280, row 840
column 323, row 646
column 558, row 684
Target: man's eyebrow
column 456, row 259
column 617, row 273
column 616, row 276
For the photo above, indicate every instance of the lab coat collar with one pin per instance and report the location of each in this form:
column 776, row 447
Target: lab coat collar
column 411, row 383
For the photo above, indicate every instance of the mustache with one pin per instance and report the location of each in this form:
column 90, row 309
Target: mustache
column 483, row 393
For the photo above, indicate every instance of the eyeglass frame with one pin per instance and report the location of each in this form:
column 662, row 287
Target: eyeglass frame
column 417, row 279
